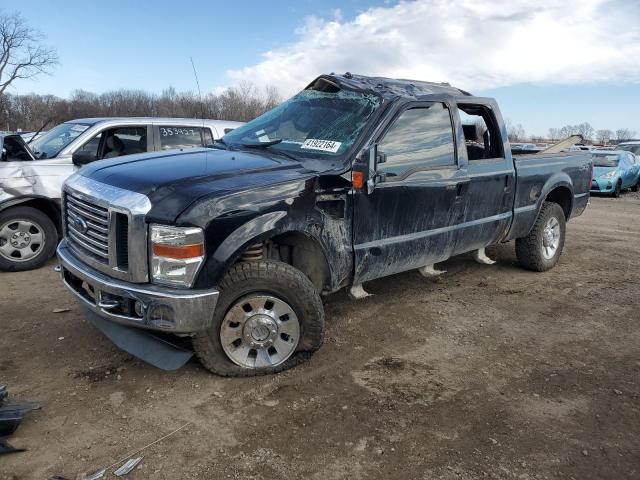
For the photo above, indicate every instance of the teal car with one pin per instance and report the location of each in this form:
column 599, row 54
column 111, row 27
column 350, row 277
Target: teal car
column 614, row 171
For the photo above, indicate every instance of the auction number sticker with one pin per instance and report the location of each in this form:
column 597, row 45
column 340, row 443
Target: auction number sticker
column 323, row 145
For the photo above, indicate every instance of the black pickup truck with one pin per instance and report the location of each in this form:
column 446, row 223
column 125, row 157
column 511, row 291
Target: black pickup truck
column 227, row 250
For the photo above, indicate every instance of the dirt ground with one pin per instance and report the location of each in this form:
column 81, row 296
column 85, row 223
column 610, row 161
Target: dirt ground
column 486, row 372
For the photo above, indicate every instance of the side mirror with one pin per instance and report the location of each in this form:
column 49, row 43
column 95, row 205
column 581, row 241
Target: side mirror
column 365, row 166
column 82, row 157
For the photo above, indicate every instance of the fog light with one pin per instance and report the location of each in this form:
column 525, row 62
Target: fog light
column 161, row 316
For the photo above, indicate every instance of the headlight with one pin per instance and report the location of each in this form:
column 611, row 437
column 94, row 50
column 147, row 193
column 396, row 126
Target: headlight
column 176, row 254
column 610, row 174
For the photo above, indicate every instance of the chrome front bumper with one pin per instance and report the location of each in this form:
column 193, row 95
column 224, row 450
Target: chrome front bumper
column 145, row 306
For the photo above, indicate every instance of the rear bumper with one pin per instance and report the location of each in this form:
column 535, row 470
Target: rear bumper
column 144, row 306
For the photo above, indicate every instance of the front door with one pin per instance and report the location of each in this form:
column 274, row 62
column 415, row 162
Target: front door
column 406, row 222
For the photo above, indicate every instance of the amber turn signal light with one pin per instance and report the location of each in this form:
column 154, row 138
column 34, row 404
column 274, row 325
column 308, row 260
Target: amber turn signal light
column 178, row 251
column 357, row 179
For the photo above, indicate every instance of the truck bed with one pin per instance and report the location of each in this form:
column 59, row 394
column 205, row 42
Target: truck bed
column 535, row 173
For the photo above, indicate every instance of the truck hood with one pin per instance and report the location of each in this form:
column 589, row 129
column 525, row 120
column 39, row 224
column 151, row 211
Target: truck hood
column 174, row 180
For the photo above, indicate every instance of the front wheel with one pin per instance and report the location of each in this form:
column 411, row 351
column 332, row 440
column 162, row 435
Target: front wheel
column 636, row 187
column 269, row 318
column 540, row 250
column 617, row 190
column 28, row 238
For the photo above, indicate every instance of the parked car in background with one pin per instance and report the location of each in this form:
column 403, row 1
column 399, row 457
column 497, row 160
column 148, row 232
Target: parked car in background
column 580, row 148
column 614, row 171
column 633, row 147
column 31, row 176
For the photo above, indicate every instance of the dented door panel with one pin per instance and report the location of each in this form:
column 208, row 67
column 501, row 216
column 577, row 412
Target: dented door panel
column 407, row 224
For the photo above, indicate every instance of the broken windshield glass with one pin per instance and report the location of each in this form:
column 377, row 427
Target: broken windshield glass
column 312, row 123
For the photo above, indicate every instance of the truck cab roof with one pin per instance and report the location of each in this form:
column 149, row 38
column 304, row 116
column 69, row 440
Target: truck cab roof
column 389, row 88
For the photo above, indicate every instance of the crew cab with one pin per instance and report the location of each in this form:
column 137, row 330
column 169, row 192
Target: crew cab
column 353, row 179
column 31, row 176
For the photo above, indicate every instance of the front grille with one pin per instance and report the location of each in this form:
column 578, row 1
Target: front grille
column 105, row 227
column 88, row 227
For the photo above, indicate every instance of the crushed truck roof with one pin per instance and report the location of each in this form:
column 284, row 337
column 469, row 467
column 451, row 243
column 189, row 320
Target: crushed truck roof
column 390, row 88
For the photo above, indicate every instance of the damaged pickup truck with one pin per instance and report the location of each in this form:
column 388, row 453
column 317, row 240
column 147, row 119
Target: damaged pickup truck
column 353, row 179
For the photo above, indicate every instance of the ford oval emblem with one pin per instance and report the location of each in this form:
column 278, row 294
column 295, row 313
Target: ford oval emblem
column 80, row 225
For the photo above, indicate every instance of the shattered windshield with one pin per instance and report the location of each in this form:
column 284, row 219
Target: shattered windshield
column 311, row 124
column 51, row 143
column 605, row 160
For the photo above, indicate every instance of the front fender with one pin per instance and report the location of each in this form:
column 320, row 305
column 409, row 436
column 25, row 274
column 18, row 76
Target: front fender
column 331, row 234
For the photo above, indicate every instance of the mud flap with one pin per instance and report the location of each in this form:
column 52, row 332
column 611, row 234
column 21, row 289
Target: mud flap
column 140, row 343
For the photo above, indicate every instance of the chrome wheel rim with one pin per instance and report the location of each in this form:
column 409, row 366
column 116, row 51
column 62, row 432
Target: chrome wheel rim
column 21, row 240
column 259, row 331
column 550, row 238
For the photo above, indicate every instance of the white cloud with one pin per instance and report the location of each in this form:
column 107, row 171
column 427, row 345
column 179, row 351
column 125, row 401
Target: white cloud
column 473, row 44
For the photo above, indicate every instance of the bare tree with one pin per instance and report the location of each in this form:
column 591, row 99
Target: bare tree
column 624, row 134
column 22, row 54
column 515, row 132
column 585, row 129
column 603, row 136
column 554, row 134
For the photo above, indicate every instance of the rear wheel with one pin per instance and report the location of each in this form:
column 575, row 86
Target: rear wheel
column 28, row 238
column 269, row 318
column 540, row 250
column 636, row 187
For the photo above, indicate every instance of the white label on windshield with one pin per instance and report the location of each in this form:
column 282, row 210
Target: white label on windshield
column 79, row 128
column 324, row 145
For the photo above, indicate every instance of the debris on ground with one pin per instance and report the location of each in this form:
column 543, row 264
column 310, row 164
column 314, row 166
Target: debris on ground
column 11, row 415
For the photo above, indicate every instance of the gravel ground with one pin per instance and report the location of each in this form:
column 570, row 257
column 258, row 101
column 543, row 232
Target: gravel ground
column 486, row 372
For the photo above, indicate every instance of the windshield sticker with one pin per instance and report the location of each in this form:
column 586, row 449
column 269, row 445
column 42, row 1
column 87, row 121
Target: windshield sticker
column 79, row 128
column 323, row 145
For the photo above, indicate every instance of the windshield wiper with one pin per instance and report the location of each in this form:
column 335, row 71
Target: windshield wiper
column 268, row 144
column 275, row 141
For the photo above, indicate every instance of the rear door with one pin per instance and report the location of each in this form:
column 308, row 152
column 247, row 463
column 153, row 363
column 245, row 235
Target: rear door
column 489, row 202
column 406, row 222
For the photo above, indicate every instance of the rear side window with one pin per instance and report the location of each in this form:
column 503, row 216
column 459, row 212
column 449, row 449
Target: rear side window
column 481, row 132
column 180, row 137
column 420, row 138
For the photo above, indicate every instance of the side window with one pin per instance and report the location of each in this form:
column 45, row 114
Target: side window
column 207, row 137
column 180, row 137
column 481, row 132
column 419, row 138
column 124, row 141
column 91, row 147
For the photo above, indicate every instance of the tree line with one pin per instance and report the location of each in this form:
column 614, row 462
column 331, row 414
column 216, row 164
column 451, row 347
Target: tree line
column 517, row 133
column 30, row 112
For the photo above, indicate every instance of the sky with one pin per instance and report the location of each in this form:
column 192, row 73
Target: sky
column 549, row 63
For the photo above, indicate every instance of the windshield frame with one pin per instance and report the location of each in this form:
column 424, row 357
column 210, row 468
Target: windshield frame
column 343, row 159
column 69, row 125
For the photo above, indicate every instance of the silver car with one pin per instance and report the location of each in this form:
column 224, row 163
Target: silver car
column 31, row 176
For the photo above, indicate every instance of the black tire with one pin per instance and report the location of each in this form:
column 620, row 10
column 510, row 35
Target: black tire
column 268, row 277
column 13, row 263
column 529, row 249
column 617, row 190
column 636, row 187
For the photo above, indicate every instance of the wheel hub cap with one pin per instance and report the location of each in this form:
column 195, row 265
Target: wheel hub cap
column 259, row 331
column 20, row 240
column 550, row 238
